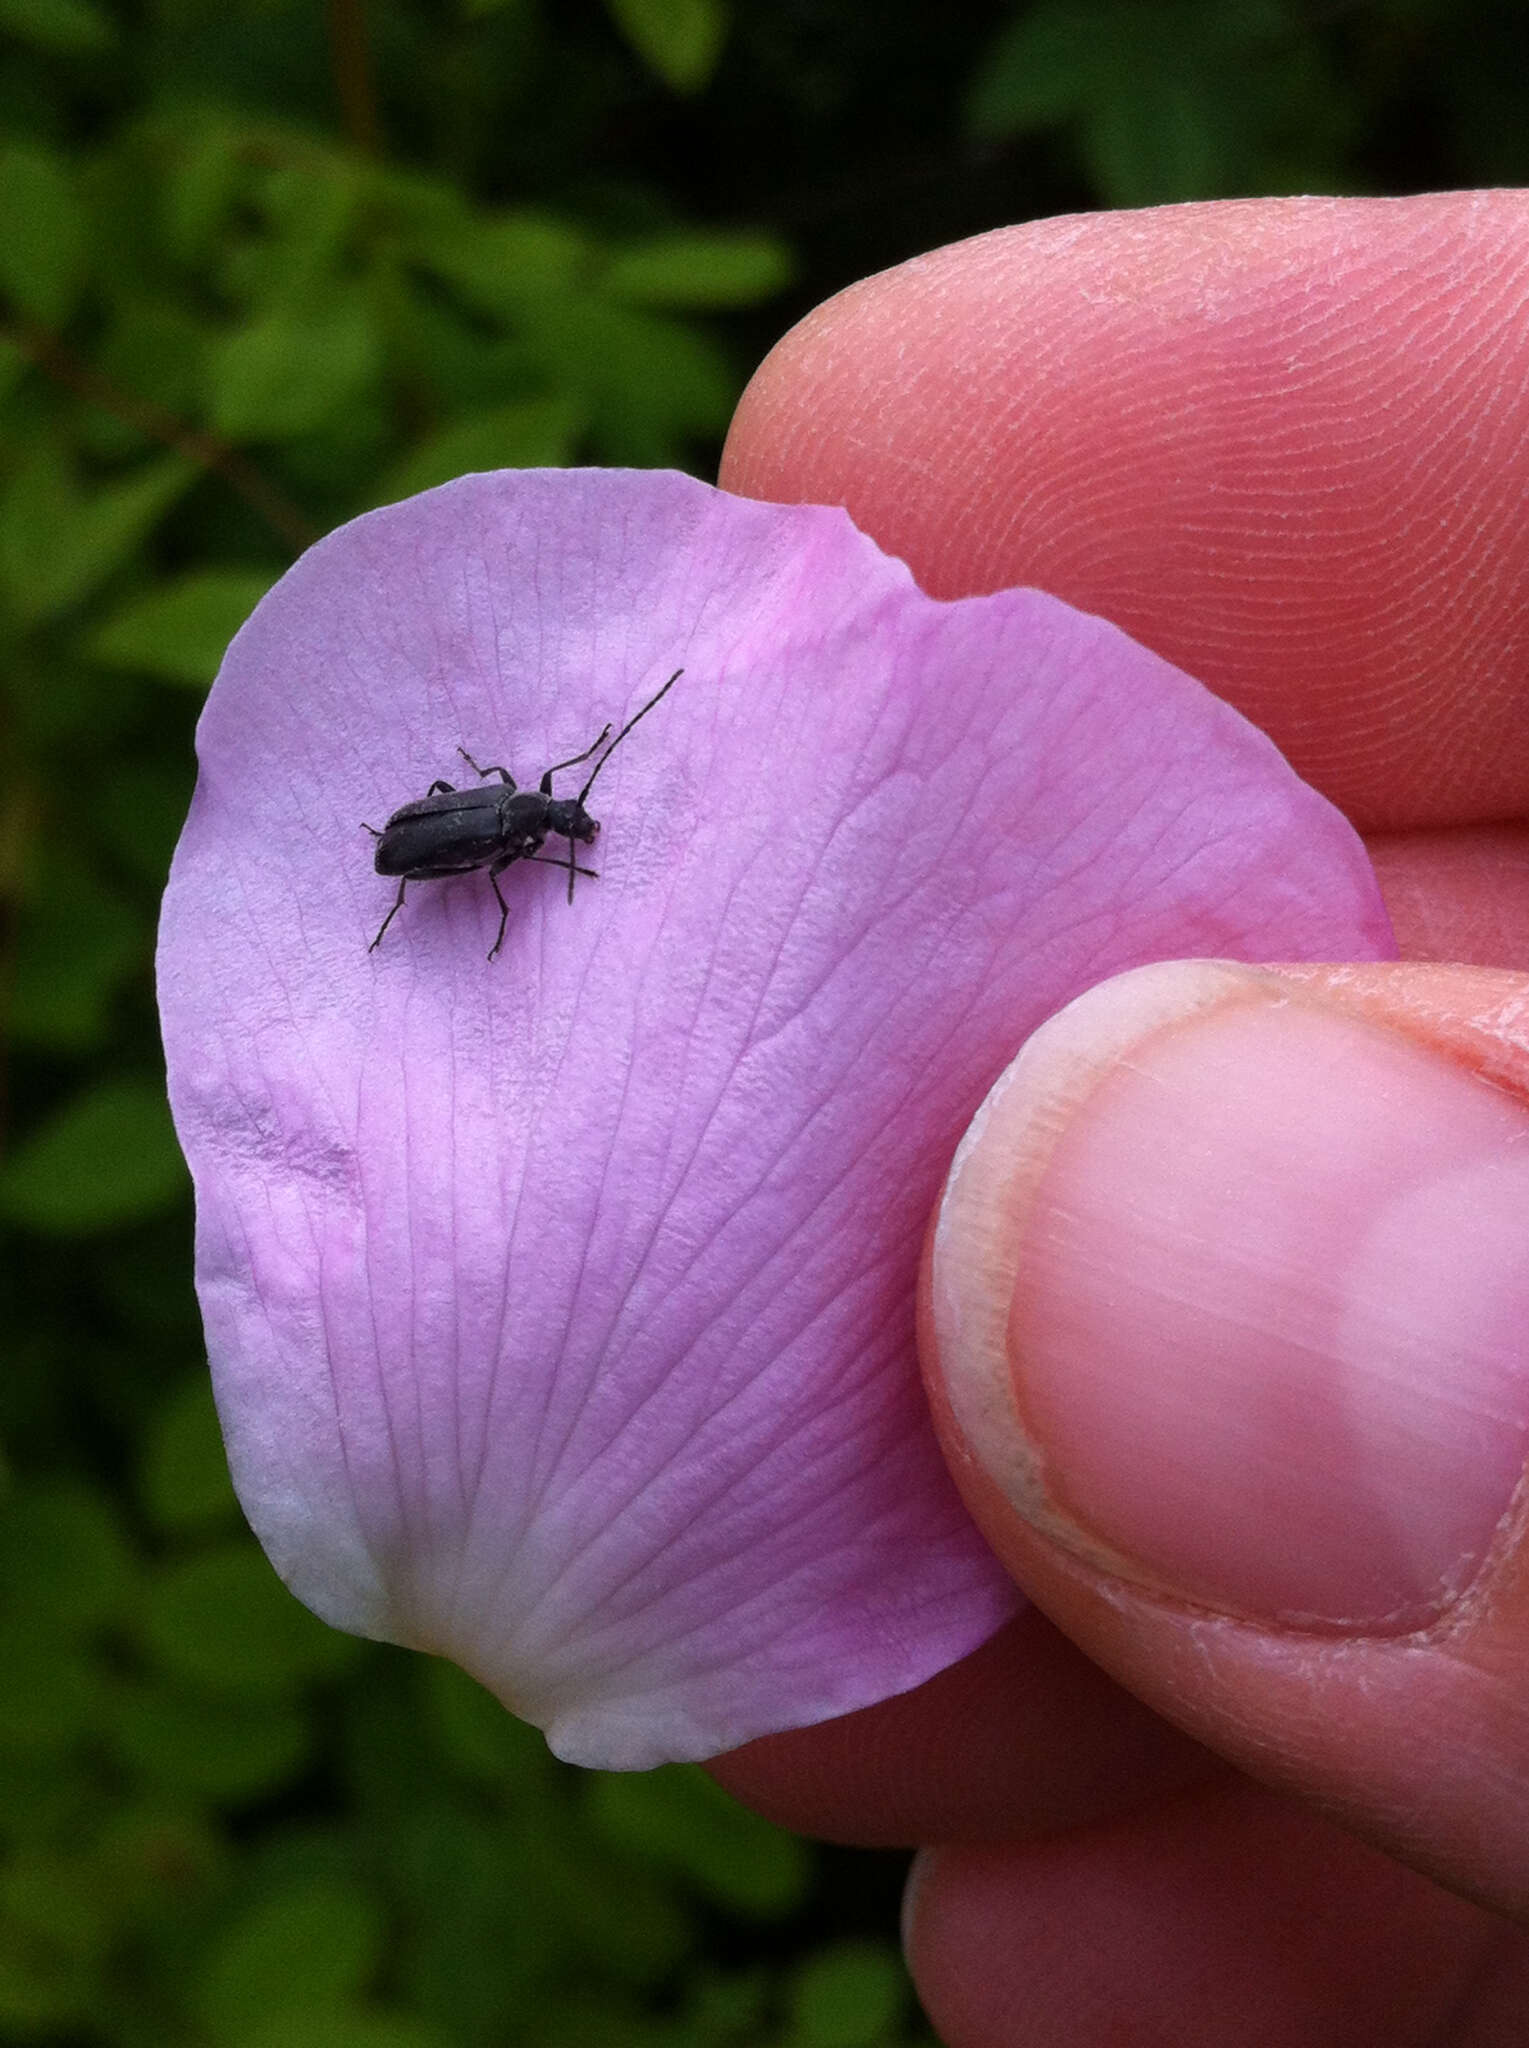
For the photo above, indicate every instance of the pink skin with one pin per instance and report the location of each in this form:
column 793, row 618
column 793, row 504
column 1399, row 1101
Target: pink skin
column 1289, row 443
column 1318, row 1411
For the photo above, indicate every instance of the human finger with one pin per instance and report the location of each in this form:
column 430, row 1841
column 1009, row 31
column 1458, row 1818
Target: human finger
column 1285, row 442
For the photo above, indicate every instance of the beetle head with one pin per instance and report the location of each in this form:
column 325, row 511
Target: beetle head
column 567, row 815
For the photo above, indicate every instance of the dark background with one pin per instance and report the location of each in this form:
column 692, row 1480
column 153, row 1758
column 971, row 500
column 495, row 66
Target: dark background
column 264, row 264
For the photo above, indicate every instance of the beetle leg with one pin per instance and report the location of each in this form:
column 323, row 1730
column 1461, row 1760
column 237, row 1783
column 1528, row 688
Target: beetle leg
column 504, row 909
column 562, row 866
column 441, row 789
column 397, row 906
column 503, row 773
column 370, row 828
column 504, row 912
column 572, row 762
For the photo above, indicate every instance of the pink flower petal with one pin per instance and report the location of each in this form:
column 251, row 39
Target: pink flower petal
column 560, row 1306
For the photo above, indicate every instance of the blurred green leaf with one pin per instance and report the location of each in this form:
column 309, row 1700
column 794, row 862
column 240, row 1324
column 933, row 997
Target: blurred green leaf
column 107, row 1158
column 321, row 2026
column 680, row 1820
column 149, row 1302
column 44, row 234
column 158, row 1856
column 680, row 40
column 287, row 373
column 223, row 1749
column 310, row 208
column 590, row 2016
column 482, row 1936
column 313, row 1943
column 64, row 1561
column 183, row 1477
column 150, row 350
column 116, row 518
column 181, row 629
column 76, row 941
column 39, row 510
column 53, row 1896
column 1185, row 99
column 34, row 1998
column 650, row 383
column 50, row 1793
column 1044, row 67
column 14, row 364
column 481, row 1737
column 500, row 261
column 203, row 174
column 70, row 27
column 50, row 1690
column 58, row 542
column 53, row 1933
column 853, row 1995
column 141, row 810
column 224, row 1620
column 387, row 1764
column 617, row 1908
column 535, row 433
column 727, row 2008
column 700, row 272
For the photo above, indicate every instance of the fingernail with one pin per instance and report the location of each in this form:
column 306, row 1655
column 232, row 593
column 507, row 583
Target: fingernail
column 1231, row 1297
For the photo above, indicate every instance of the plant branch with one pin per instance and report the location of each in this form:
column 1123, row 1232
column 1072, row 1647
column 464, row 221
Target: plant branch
column 350, row 50
column 59, row 363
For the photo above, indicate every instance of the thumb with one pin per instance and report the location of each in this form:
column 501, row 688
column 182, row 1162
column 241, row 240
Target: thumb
column 1226, row 1321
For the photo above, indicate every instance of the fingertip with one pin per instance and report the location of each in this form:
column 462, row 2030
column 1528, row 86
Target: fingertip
column 1222, row 1918
column 1284, row 442
column 1226, row 1325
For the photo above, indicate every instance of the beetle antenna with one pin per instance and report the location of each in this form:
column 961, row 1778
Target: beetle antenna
column 616, row 742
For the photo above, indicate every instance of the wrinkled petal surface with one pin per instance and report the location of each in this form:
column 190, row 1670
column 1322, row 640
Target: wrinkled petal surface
column 561, row 1306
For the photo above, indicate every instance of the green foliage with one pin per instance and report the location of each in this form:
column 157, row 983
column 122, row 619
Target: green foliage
column 223, row 327
column 852, row 1995
column 179, row 629
column 106, row 1158
column 60, row 541
column 70, row 27
column 76, row 943
column 699, row 272
column 217, row 1752
column 264, row 265
column 43, row 230
column 680, row 39
column 528, row 433
column 680, row 1820
column 183, row 1484
column 1187, row 99
column 65, row 1565
column 311, row 1944
column 220, row 1621
column 286, row 374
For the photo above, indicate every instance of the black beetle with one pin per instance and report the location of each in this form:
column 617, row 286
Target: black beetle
column 452, row 831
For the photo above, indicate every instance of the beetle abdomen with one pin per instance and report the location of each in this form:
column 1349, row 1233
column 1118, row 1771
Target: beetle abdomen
column 440, row 836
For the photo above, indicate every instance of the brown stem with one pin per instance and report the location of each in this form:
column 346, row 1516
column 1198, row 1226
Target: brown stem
column 350, row 50
column 155, row 423
column 16, row 825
